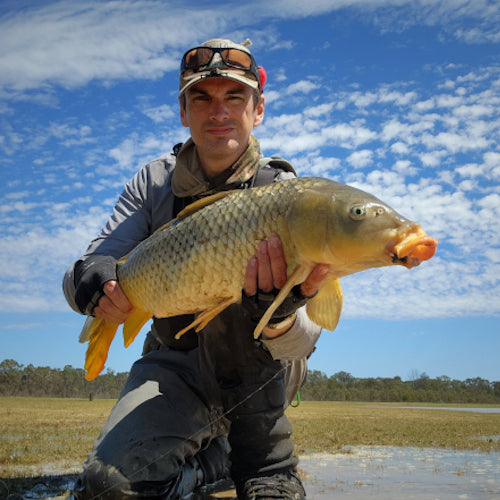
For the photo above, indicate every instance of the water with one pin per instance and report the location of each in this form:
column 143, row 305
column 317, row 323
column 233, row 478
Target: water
column 391, row 473
column 447, row 408
column 373, row 473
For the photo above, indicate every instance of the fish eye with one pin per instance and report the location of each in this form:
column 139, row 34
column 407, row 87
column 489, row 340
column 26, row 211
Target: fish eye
column 358, row 212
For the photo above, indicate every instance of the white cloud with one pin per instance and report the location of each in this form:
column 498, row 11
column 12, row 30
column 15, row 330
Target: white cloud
column 490, row 168
column 161, row 113
column 399, row 148
column 360, row 159
column 64, row 44
column 301, row 87
column 319, row 110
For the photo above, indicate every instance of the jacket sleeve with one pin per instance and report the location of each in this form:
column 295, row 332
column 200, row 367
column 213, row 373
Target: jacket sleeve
column 131, row 222
column 298, row 342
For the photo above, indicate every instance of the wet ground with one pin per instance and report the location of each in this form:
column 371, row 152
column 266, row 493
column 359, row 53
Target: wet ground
column 394, row 473
column 373, row 473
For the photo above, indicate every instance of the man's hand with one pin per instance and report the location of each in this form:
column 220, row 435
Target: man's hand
column 113, row 306
column 268, row 271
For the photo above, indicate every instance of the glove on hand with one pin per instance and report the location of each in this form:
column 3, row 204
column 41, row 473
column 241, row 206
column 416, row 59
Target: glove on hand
column 257, row 304
column 90, row 276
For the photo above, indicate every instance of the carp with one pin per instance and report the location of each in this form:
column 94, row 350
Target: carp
column 196, row 263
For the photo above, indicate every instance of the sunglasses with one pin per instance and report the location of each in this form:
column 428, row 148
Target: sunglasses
column 199, row 58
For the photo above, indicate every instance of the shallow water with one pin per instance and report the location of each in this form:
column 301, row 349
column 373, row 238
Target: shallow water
column 374, row 473
column 448, row 408
column 392, row 473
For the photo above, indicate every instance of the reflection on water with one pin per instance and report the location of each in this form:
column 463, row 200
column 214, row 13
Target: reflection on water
column 391, row 473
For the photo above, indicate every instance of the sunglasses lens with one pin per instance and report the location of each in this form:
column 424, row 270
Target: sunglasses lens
column 236, row 58
column 201, row 56
column 196, row 58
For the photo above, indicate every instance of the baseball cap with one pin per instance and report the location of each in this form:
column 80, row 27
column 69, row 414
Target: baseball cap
column 220, row 58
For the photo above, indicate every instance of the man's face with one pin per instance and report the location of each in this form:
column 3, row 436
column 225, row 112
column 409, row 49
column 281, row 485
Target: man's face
column 220, row 114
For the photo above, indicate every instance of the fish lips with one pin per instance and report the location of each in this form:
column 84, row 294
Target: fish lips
column 413, row 249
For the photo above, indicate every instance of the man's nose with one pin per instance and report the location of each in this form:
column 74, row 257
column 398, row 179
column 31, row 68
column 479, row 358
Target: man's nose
column 218, row 110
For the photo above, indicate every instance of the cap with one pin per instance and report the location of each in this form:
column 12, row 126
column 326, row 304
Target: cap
column 217, row 67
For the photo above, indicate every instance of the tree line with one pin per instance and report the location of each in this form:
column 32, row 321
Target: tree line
column 342, row 386
column 42, row 381
column 69, row 382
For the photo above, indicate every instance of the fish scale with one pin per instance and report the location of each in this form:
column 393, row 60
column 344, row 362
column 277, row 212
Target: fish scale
column 197, row 248
column 197, row 263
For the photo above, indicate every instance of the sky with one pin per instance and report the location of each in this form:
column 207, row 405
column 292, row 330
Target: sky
column 400, row 98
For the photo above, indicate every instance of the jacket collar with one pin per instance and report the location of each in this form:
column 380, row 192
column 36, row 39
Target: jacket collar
column 188, row 178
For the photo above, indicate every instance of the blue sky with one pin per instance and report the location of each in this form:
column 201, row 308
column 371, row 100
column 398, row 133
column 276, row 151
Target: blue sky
column 400, row 98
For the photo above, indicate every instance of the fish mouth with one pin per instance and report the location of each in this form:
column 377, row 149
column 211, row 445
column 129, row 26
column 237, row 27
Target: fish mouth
column 414, row 248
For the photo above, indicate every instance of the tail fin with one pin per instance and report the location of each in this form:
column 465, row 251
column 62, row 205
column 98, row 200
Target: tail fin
column 134, row 324
column 100, row 335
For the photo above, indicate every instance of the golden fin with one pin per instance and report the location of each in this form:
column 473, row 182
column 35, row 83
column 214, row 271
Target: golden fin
column 325, row 307
column 298, row 276
column 122, row 260
column 133, row 325
column 101, row 335
column 205, row 317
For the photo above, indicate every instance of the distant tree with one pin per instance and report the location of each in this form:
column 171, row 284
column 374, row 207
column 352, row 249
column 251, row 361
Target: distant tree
column 344, row 378
column 496, row 388
column 413, row 376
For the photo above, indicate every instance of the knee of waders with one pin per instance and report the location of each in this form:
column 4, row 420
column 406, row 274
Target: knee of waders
column 106, row 482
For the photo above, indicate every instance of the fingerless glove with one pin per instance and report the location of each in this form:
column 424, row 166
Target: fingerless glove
column 90, row 276
column 257, row 304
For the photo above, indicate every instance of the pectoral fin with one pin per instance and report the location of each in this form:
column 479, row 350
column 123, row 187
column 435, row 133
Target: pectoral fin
column 325, row 307
column 298, row 276
column 205, row 317
column 133, row 325
column 101, row 335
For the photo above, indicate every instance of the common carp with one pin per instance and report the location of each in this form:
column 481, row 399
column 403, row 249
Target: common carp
column 196, row 263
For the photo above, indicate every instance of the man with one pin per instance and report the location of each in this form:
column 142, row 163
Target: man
column 204, row 407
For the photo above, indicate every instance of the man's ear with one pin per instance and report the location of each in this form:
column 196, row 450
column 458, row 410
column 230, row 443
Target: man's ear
column 259, row 112
column 182, row 108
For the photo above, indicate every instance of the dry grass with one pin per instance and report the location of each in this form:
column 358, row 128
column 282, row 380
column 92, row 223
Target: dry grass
column 329, row 426
column 40, row 435
column 52, row 436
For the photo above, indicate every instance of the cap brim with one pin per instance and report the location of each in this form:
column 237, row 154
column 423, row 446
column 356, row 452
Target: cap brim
column 230, row 74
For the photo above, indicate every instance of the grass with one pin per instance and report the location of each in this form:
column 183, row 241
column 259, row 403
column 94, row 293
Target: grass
column 329, row 426
column 40, row 437
column 40, row 434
